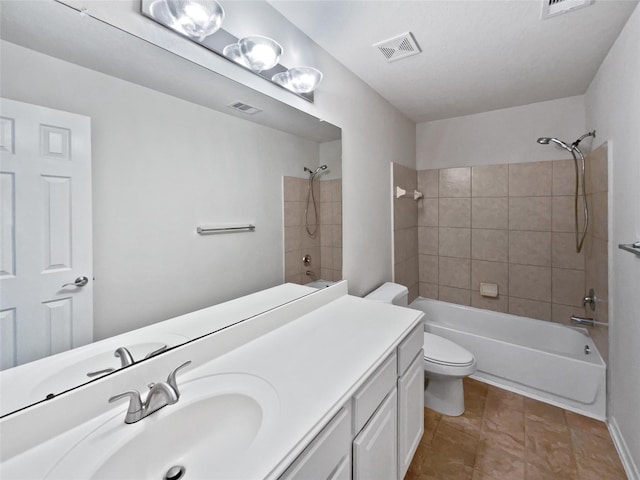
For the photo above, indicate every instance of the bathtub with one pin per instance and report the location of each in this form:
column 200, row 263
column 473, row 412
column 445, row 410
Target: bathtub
column 542, row 360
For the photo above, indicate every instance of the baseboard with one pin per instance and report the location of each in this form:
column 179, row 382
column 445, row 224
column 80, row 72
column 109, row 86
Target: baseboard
column 630, row 467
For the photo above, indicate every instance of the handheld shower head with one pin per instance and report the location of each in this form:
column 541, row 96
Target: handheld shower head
column 547, row 140
column 321, row 167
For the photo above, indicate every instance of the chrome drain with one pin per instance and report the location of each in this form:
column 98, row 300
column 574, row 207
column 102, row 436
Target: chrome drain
column 175, row 473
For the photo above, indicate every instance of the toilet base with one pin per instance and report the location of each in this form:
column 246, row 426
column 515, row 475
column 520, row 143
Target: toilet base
column 445, row 395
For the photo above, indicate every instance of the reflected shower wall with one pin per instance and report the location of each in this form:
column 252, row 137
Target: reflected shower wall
column 325, row 247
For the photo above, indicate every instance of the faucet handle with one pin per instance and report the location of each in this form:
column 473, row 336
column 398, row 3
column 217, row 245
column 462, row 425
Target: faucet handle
column 156, row 351
column 171, row 379
column 134, row 412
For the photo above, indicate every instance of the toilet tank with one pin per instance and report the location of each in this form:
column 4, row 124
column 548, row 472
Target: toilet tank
column 390, row 293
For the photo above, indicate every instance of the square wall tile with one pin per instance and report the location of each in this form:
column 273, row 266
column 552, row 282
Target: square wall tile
column 490, row 181
column 562, row 313
column 428, row 269
column 293, row 189
column 531, row 179
column 428, row 212
column 405, row 243
column 292, row 238
column 489, row 245
column 530, row 248
column 597, row 170
column 454, row 242
column 598, row 209
column 454, row 272
column 498, row 304
column 490, row 212
column 530, row 213
column 530, row 308
column 428, row 240
column 490, row 272
column 564, row 177
column 568, row 286
column 405, row 213
column 454, row 212
column 455, row 182
column 454, row 295
column 405, row 177
column 530, row 282
column 563, row 217
column 428, row 290
column 428, row 183
column 563, row 252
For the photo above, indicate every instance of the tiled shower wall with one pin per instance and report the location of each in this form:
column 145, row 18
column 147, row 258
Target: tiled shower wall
column 405, row 230
column 596, row 244
column 325, row 247
column 512, row 225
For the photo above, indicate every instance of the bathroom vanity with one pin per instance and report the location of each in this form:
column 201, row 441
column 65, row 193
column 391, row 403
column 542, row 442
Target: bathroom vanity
column 325, row 386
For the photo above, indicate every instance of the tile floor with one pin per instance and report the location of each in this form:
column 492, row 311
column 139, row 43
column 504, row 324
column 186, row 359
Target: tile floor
column 505, row 436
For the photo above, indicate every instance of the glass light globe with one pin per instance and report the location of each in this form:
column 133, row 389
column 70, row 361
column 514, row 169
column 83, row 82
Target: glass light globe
column 232, row 52
column 196, row 18
column 260, row 53
column 299, row 79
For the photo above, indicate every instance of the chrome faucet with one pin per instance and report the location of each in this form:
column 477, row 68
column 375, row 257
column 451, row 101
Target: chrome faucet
column 160, row 395
column 590, row 322
column 126, row 359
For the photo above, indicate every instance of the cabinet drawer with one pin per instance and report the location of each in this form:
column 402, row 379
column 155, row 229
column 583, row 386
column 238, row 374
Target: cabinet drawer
column 325, row 457
column 369, row 396
column 409, row 348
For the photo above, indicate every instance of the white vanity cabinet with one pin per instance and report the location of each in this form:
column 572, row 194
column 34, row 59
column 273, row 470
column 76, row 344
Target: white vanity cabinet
column 384, row 421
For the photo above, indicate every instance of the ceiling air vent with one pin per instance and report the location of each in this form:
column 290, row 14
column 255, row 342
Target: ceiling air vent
column 398, row 47
column 244, row 108
column 552, row 8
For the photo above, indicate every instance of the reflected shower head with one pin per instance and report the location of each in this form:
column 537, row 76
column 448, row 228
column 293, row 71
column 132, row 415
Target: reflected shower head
column 547, row 140
column 321, row 167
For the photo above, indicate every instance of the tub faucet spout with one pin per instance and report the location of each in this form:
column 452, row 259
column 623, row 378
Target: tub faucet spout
column 582, row 321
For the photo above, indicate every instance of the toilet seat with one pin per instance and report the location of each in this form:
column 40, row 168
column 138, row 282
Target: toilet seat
column 444, row 352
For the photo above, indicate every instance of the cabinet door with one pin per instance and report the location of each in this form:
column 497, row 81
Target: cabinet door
column 328, row 455
column 375, row 448
column 410, row 413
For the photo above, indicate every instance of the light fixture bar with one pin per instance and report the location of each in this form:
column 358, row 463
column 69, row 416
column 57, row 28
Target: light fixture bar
column 214, row 43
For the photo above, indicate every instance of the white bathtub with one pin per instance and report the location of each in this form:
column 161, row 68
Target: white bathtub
column 542, row 360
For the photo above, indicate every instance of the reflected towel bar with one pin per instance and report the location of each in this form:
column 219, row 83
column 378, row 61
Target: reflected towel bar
column 631, row 247
column 238, row 228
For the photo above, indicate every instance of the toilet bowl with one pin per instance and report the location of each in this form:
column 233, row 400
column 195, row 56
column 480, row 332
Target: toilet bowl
column 445, row 362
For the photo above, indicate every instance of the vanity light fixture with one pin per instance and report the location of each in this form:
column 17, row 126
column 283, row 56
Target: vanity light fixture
column 299, row 79
column 200, row 21
column 195, row 18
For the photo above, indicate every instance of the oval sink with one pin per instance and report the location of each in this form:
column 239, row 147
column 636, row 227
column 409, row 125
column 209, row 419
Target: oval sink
column 214, row 426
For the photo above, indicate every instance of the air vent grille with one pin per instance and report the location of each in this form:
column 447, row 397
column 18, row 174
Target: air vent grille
column 398, row 47
column 552, row 8
column 244, row 108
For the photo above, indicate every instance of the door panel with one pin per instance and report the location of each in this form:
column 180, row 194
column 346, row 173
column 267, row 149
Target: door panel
column 45, row 183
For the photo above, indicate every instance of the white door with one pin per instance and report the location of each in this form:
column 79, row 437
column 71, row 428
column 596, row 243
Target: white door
column 45, row 237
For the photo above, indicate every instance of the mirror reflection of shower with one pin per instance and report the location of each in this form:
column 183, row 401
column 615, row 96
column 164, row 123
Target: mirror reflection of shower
column 580, row 178
column 311, row 200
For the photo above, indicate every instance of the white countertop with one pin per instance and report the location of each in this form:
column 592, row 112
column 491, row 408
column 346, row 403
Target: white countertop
column 315, row 364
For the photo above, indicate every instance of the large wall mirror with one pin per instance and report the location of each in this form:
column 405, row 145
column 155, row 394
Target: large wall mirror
column 163, row 155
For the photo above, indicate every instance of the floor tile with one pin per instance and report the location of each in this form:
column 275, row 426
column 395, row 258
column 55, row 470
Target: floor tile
column 505, row 436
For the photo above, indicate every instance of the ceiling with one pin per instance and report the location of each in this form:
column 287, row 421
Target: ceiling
column 476, row 56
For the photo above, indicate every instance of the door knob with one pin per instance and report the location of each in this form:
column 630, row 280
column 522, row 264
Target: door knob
column 79, row 282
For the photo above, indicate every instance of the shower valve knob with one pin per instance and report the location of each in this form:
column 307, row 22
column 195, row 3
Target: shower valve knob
column 306, row 260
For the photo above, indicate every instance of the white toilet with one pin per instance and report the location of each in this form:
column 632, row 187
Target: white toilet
column 445, row 363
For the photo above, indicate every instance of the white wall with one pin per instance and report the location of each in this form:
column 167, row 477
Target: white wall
column 613, row 109
column 374, row 133
column 500, row 136
column 331, row 156
column 161, row 167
